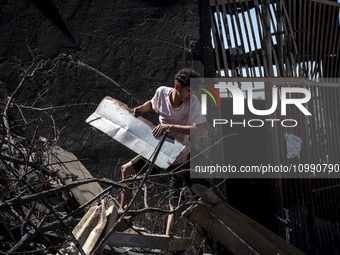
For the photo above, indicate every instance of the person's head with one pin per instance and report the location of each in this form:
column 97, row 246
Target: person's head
column 182, row 83
column 183, row 76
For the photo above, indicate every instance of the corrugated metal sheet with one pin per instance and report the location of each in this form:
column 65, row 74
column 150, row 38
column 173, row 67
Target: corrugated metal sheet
column 115, row 119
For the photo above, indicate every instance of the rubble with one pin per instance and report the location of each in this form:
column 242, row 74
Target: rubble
column 236, row 231
column 51, row 204
column 48, row 214
column 43, row 198
column 45, row 190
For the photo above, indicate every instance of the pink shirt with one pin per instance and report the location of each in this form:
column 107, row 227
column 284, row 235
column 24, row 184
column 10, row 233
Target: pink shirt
column 178, row 116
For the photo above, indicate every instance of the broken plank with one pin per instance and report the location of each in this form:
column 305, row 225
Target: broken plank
column 70, row 169
column 112, row 215
column 163, row 242
column 237, row 232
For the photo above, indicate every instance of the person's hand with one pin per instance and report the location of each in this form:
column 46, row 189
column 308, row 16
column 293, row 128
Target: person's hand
column 160, row 129
column 136, row 112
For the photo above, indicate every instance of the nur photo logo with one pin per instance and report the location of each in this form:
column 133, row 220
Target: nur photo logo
column 280, row 98
column 205, row 87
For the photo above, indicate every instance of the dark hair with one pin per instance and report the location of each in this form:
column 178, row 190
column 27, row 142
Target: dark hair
column 184, row 75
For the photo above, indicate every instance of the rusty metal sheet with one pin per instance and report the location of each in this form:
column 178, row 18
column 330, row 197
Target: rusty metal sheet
column 116, row 120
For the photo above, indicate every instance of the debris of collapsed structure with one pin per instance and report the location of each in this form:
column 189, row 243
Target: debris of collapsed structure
column 50, row 204
column 48, row 199
column 39, row 208
column 237, row 232
column 44, row 195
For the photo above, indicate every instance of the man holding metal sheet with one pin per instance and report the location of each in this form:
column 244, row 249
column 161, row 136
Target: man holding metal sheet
column 173, row 107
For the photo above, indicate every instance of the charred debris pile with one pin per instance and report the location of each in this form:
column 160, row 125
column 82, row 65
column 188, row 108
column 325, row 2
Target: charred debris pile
column 50, row 203
column 45, row 191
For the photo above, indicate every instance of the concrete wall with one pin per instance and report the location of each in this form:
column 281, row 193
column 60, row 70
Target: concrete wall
column 91, row 49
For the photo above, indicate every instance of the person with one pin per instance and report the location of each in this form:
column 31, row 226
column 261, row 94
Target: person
column 173, row 107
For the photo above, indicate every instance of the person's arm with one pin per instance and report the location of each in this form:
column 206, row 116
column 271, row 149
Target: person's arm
column 187, row 130
column 146, row 107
